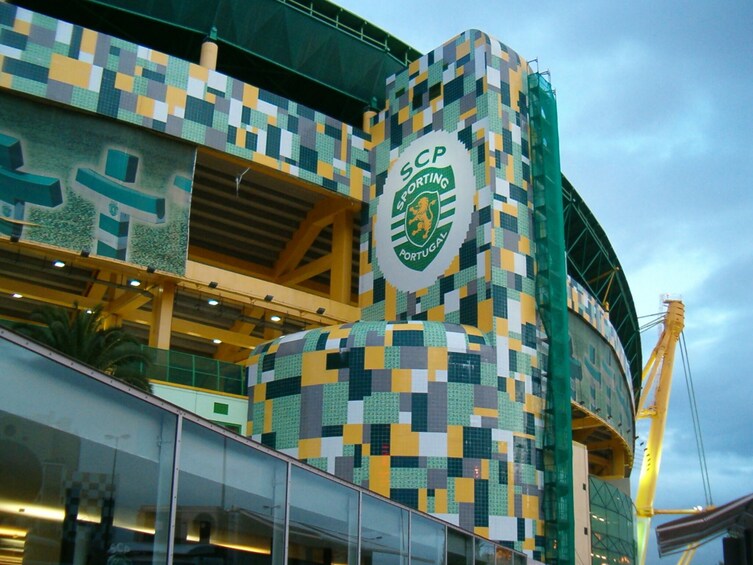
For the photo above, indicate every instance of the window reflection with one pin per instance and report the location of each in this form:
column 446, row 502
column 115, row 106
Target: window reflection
column 459, row 548
column 427, row 541
column 384, row 533
column 74, row 482
column 231, row 501
column 323, row 521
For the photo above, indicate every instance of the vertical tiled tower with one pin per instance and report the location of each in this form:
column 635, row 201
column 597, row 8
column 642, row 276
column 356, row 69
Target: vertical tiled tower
column 435, row 398
column 474, row 89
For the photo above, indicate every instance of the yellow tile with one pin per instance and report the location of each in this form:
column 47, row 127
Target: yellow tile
column 486, row 315
column 436, row 314
column 377, row 132
column 414, row 66
column 175, row 97
column 22, row 27
column 418, row 122
column 463, row 489
column 486, row 412
column 124, row 82
column 250, row 96
column 402, row 440
column 309, row 448
column 403, row 114
column 6, row 80
column 158, row 57
column 455, row 441
column 210, row 97
column 356, row 183
column 423, row 500
column 69, row 71
column 463, row 49
column 379, row 475
column 266, row 161
column 524, row 245
column 319, row 128
column 508, row 260
column 528, row 308
column 353, row 434
column 373, row 358
column 390, row 300
column 199, row 72
column 437, row 359
column 314, row 362
column 89, row 41
column 260, row 392
column 325, row 170
column 485, row 469
column 481, row 531
column 440, row 501
column 502, row 326
column 401, row 380
column 145, row 106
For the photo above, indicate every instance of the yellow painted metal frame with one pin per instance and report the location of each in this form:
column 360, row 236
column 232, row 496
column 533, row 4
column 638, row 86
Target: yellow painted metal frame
column 661, row 361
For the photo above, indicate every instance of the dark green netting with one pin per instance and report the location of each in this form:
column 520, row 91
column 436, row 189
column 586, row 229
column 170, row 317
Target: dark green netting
column 551, row 297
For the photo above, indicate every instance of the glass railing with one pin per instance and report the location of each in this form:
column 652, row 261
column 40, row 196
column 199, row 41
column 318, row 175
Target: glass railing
column 197, row 371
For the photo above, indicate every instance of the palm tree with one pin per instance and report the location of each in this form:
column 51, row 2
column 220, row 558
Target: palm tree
column 80, row 334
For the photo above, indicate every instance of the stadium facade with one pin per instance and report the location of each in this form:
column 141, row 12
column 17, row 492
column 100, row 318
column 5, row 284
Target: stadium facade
column 363, row 258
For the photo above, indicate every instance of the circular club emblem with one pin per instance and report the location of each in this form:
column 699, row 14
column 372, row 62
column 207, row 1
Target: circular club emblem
column 425, row 210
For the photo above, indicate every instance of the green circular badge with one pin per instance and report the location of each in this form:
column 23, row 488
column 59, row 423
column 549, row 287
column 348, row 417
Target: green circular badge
column 425, row 210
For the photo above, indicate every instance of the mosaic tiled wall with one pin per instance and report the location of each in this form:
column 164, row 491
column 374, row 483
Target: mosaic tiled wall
column 475, row 88
column 414, row 411
column 83, row 183
column 44, row 57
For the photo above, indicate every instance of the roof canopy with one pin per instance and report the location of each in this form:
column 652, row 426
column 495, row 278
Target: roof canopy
column 677, row 534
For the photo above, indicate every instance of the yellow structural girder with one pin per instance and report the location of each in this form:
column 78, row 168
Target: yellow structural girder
column 660, row 362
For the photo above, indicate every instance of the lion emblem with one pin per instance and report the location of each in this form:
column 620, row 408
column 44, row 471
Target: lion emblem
column 422, row 217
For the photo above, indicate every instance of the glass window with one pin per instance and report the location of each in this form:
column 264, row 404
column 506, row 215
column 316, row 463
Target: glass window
column 459, row 548
column 504, row 555
column 384, row 533
column 231, row 501
column 427, row 541
column 85, row 469
column 485, row 552
column 323, row 521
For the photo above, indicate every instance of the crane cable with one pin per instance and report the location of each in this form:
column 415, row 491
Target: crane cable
column 696, row 420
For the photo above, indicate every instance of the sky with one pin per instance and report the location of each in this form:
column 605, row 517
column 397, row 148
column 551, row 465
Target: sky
column 655, row 106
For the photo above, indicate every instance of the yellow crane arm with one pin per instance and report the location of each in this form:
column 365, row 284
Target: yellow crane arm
column 661, row 361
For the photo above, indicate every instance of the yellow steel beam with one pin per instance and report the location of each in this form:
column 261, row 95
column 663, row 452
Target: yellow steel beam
column 307, row 271
column 321, row 215
column 661, row 361
column 162, row 315
column 286, row 301
column 342, row 256
column 44, row 294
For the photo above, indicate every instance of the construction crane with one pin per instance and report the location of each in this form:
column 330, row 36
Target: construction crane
column 655, row 409
column 661, row 361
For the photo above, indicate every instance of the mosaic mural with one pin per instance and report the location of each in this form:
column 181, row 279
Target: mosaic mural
column 107, row 189
column 92, row 71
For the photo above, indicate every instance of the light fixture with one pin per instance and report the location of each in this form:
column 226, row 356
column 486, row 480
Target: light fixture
column 150, row 269
column 84, row 253
column 216, row 341
column 320, row 311
column 134, row 282
column 275, row 318
column 17, row 295
column 268, row 298
column 213, row 284
column 58, row 263
column 14, row 238
column 89, row 311
column 213, row 302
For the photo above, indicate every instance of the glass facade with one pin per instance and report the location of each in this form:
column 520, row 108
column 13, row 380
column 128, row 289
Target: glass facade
column 91, row 473
column 612, row 527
